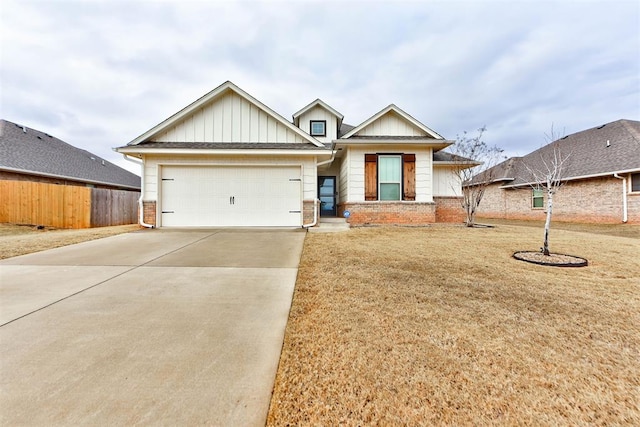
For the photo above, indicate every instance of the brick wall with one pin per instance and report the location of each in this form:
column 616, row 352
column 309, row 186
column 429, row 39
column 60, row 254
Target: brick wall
column 449, row 209
column 596, row 200
column 307, row 211
column 149, row 212
column 633, row 208
column 406, row 213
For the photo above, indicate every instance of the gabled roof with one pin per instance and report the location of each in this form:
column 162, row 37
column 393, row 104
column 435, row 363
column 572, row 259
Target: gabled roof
column 29, row 151
column 399, row 112
column 317, row 102
column 600, row 151
column 210, row 98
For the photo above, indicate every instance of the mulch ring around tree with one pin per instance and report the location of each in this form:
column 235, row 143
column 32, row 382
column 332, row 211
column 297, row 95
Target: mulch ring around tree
column 553, row 260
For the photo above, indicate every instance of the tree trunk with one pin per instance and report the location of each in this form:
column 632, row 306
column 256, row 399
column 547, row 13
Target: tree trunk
column 547, row 223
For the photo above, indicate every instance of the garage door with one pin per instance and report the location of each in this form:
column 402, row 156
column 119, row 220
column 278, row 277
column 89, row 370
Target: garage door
column 220, row 196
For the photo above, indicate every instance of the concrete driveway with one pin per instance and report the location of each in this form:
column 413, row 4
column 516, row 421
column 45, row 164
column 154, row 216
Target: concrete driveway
column 157, row 327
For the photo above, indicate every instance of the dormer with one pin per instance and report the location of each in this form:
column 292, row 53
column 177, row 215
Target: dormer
column 319, row 120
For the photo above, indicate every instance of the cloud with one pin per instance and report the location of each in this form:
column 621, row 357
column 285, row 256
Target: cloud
column 98, row 74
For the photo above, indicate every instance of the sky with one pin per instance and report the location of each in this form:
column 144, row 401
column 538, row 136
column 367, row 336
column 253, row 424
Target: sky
column 97, row 74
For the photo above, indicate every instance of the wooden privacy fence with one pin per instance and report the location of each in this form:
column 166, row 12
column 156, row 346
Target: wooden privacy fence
column 66, row 206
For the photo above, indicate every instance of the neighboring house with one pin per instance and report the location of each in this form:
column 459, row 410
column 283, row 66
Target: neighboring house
column 229, row 160
column 30, row 155
column 601, row 182
column 45, row 181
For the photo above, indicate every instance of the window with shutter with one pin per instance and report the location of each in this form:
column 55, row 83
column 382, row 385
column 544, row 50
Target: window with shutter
column 409, row 174
column 371, row 177
column 390, row 177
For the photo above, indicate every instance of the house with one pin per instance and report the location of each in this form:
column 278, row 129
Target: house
column 227, row 159
column 601, row 179
column 46, row 181
column 30, row 155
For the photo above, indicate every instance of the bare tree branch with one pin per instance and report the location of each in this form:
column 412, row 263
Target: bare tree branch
column 547, row 174
column 474, row 157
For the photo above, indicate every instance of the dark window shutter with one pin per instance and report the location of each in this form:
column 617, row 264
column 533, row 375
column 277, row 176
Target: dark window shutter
column 371, row 177
column 409, row 177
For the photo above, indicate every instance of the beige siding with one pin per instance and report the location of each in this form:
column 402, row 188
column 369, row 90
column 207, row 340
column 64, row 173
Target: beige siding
column 344, row 179
column 446, row 183
column 424, row 172
column 230, row 118
column 153, row 164
column 355, row 184
column 354, row 161
column 391, row 124
column 319, row 113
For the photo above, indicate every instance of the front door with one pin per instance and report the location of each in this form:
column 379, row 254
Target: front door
column 327, row 195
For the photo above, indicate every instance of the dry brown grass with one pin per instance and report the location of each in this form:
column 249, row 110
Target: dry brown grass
column 440, row 325
column 24, row 239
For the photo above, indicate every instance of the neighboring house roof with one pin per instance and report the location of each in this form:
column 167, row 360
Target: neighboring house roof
column 210, row 98
column 448, row 159
column 600, row 151
column 317, row 102
column 398, row 111
column 29, row 151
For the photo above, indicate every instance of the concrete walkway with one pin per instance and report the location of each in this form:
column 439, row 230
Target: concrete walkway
column 157, row 327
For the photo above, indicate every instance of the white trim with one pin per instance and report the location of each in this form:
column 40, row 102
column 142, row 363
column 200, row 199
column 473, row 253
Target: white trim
column 297, row 114
column 154, row 131
column 427, row 142
column 573, row 178
column 392, row 107
column 234, row 152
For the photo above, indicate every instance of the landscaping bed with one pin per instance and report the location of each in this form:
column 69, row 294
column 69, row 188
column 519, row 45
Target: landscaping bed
column 441, row 325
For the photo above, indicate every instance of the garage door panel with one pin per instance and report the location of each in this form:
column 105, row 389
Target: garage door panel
column 231, row 196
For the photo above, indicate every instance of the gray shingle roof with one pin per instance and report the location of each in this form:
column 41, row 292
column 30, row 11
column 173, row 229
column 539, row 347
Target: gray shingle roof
column 231, row 145
column 444, row 156
column 30, row 151
column 603, row 150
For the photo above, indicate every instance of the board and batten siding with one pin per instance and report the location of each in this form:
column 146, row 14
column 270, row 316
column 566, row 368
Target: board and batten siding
column 230, row 118
column 319, row 113
column 446, row 183
column 354, row 165
column 391, row 124
column 153, row 163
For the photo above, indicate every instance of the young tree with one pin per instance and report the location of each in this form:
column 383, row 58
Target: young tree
column 475, row 160
column 547, row 172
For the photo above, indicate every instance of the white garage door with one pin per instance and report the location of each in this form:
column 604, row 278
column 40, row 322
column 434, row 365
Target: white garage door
column 220, row 196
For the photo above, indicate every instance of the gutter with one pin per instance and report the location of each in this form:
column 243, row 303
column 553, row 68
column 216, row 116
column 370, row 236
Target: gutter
column 624, row 196
column 140, row 204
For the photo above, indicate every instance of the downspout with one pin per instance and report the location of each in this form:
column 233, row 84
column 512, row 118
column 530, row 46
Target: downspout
column 140, row 204
column 624, row 196
column 315, row 201
column 315, row 215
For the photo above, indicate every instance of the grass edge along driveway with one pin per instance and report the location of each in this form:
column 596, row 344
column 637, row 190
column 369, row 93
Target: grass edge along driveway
column 439, row 325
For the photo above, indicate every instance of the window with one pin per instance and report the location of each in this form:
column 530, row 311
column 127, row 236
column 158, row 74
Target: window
column 635, row 182
column 390, row 177
column 538, row 199
column 318, row 127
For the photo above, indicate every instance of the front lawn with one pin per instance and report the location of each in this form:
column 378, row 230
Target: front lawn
column 439, row 325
